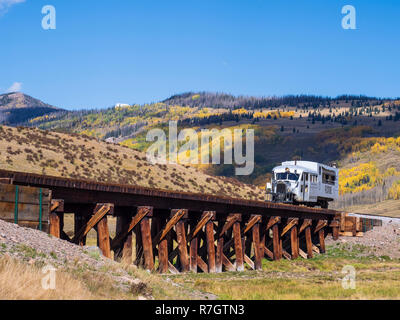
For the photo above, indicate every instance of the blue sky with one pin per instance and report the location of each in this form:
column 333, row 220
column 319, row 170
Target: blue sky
column 126, row 51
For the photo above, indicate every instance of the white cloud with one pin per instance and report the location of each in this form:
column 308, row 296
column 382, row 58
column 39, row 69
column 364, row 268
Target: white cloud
column 7, row 4
column 16, row 87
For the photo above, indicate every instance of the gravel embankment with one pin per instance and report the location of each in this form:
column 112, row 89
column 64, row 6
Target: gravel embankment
column 382, row 241
column 18, row 240
column 39, row 248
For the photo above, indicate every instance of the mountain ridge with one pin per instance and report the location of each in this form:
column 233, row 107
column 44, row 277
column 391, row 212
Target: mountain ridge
column 17, row 108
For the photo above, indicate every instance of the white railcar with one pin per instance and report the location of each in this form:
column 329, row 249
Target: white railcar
column 304, row 182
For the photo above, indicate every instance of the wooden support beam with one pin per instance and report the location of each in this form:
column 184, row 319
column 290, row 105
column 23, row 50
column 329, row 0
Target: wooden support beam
column 335, row 225
column 286, row 255
column 123, row 253
column 247, row 244
column 335, row 233
column 139, row 258
column 219, row 254
column 55, row 217
column 321, row 234
column 249, row 261
column 230, row 221
column 228, row 244
column 253, row 221
column 182, row 246
column 306, row 223
column 263, row 239
column 202, row 246
column 172, row 269
column 103, row 236
column 163, row 256
column 276, row 243
column 202, row 265
column 147, row 244
column 227, row 263
column 294, row 243
column 193, row 254
column 210, row 247
column 171, row 237
column 65, row 237
column 258, row 249
column 141, row 213
column 177, row 215
column 238, row 247
column 321, row 224
column 79, row 223
column 99, row 212
column 272, row 221
column 309, row 242
column 164, row 239
column 343, row 222
column 231, row 253
column 207, row 216
column 57, row 205
column 155, row 229
column 193, row 246
column 302, row 254
column 351, row 234
column 290, row 224
column 269, row 253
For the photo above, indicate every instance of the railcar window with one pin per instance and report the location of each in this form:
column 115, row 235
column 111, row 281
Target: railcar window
column 328, row 179
column 304, row 177
column 287, row 176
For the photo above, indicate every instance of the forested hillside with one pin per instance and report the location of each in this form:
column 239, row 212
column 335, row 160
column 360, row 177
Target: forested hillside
column 359, row 133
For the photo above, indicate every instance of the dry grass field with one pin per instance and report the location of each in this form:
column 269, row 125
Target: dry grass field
column 317, row 279
column 388, row 208
column 21, row 281
column 81, row 157
column 377, row 276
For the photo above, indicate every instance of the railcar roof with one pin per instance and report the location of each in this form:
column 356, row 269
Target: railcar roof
column 292, row 168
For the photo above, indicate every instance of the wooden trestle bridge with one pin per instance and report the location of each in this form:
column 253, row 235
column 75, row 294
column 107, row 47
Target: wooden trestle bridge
column 180, row 232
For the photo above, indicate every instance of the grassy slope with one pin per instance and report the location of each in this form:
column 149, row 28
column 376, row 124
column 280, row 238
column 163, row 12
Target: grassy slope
column 56, row 154
column 388, row 208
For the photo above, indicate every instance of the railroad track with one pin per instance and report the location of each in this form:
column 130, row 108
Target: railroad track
column 182, row 232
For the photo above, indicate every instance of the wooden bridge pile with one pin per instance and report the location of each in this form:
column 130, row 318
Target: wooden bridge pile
column 353, row 226
column 182, row 241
